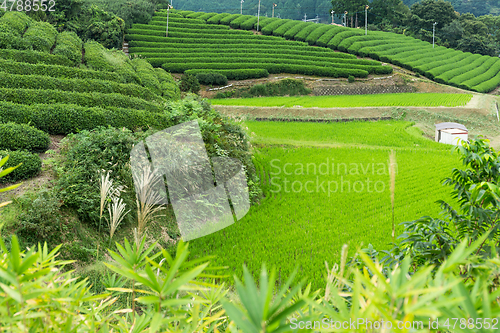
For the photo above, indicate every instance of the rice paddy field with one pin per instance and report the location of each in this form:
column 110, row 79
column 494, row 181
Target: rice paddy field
column 351, row 101
column 328, row 184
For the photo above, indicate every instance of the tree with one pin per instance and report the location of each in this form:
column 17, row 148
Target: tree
column 394, row 11
column 431, row 11
column 351, row 6
column 477, row 44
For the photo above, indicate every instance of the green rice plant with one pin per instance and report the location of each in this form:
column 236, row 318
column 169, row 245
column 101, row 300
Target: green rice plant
column 298, row 162
column 404, row 99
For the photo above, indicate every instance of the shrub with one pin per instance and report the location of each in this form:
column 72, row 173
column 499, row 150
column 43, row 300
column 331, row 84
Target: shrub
column 236, row 24
column 316, row 34
column 94, row 99
column 70, row 46
column 228, row 19
column 23, row 137
column 20, row 68
column 75, row 85
column 98, row 58
column 304, row 33
column 249, row 23
column 35, row 57
column 216, row 18
column 17, row 21
column 30, row 167
column 67, row 118
column 211, row 79
column 285, row 27
column 233, row 74
column 351, row 79
column 269, row 29
column 189, row 83
column 147, row 75
column 41, row 36
column 84, row 155
column 290, row 34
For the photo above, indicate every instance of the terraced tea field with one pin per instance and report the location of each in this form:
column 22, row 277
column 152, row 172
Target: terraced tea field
column 461, row 69
column 351, row 101
column 196, row 45
column 328, row 184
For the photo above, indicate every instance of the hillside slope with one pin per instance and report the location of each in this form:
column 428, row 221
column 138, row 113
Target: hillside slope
column 196, row 44
column 461, row 69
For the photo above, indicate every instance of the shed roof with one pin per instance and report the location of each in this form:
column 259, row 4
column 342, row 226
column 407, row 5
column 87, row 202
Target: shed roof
column 443, row 126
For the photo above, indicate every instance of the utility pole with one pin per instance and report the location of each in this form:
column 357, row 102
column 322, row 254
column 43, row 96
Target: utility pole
column 305, row 17
column 433, row 33
column 345, row 18
column 258, row 17
column 332, row 12
column 274, row 5
column 241, row 10
column 168, row 11
column 366, row 19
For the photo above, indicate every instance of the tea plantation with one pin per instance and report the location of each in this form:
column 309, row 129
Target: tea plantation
column 205, row 45
column 196, row 45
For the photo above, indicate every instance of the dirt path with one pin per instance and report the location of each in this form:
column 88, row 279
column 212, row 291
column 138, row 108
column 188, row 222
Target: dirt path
column 44, row 178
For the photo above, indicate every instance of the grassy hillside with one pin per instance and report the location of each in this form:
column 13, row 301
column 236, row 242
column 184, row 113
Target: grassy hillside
column 464, row 70
column 196, row 45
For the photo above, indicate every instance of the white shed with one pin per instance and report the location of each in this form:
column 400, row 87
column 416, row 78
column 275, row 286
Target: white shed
column 451, row 133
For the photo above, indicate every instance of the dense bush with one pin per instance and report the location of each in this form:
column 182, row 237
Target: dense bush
column 84, row 155
column 189, row 83
column 282, row 29
column 34, row 57
column 216, row 18
column 285, row 87
column 147, row 75
column 23, row 137
column 233, row 74
column 269, row 29
column 211, row 79
column 228, row 19
column 270, row 67
column 236, row 24
column 30, row 167
column 70, row 46
column 351, row 79
column 67, row 118
column 98, row 58
column 75, row 85
column 12, row 27
column 20, row 68
column 206, row 16
column 304, row 33
column 41, row 36
column 249, row 23
column 290, row 34
column 94, row 99
column 169, row 88
column 316, row 34
column 328, row 36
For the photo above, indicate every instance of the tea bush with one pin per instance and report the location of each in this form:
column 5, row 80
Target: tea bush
column 23, row 137
column 211, row 79
column 31, row 165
